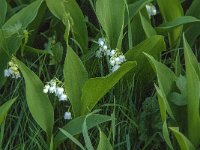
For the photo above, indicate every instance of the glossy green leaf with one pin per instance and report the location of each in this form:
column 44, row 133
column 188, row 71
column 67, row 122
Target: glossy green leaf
column 38, row 102
column 111, row 20
column 74, row 127
column 168, row 26
column 75, row 76
column 193, row 31
column 95, row 88
column 174, row 12
column 183, row 142
column 4, row 108
column 3, row 10
column 138, row 33
column 10, row 40
column 166, row 78
column 156, row 45
column 104, row 143
column 135, row 7
column 148, row 29
column 70, row 11
column 24, row 17
column 193, row 94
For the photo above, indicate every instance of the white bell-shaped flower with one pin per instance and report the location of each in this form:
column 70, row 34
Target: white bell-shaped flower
column 59, row 91
column 63, row 97
column 116, row 67
column 7, row 73
column 67, row 116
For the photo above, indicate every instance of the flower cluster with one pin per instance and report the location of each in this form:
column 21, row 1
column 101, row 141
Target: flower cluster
column 116, row 58
column 54, row 87
column 151, row 10
column 103, row 48
column 12, row 70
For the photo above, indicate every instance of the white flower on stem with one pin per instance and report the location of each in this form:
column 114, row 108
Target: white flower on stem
column 116, row 67
column 112, row 53
column 63, row 97
column 101, row 42
column 10, row 63
column 53, row 83
column 45, row 90
column 12, row 71
column 7, row 73
column 52, row 89
column 151, row 10
column 56, row 87
column 122, row 58
column 59, row 91
column 105, row 47
column 112, row 62
column 67, row 116
column 17, row 75
column 108, row 52
column 47, row 86
column 117, row 58
column 117, row 61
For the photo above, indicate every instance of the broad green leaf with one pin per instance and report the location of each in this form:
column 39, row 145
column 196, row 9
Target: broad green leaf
column 135, row 7
column 153, row 46
column 38, row 102
column 193, row 94
column 75, row 76
column 36, row 24
column 193, row 31
column 10, row 40
column 4, row 108
column 110, row 14
column 170, row 10
column 24, row 17
column 95, row 88
column 104, row 143
column 169, row 26
column 148, row 29
column 68, row 135
column 183, row 142
column 74, row 127
column 166, row 78
column 3, row 10
column 191, row 57
column 68, row 10
column 138, row 33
